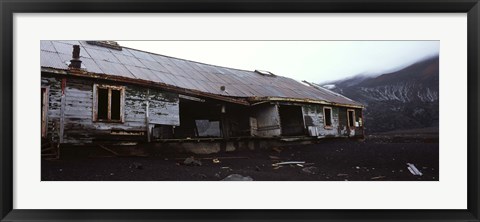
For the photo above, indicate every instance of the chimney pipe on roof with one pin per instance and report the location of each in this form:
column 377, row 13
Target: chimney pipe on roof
column 75, row 63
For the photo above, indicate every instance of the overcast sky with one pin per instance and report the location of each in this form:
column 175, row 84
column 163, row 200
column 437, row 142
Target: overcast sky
column 314, row 61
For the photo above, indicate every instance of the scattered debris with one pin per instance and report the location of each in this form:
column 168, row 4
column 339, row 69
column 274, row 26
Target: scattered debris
column 300, row 165
column 111, row 174
column 377, row 178
column 290, row 139
column 136, row 165
column 237, row 177
column 357, row 167
column 257, row 168
column 288, row 163
column 203, row 176
column 226, row 168
column 278, row 150
column 414, row 170
column 274, row 157
column 224, row 157
column 342, row 175
column 190, row 161
column 217, row 175
column 215, row 160
column 310, row 170
column 109, row 150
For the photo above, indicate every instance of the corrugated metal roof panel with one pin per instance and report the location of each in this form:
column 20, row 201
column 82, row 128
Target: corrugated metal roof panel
column 47, row 46
column 153, row 65
column 101, row 55
column 140, row 54
column 129, row 60
column 52, row 60
column 70, row 42
column 116, row 68
column 141, row 73
column 91, row 66
column 181, row 73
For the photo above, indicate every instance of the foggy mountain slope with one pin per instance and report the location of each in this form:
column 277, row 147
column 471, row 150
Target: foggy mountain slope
column 404, row 99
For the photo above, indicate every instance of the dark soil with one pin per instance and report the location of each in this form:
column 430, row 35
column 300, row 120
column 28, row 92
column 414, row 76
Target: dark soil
column 334, row 160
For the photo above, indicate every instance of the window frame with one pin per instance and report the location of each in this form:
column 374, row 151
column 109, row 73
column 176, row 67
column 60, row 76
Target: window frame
column 325, row 119
column 348, row 118
column 95, row 103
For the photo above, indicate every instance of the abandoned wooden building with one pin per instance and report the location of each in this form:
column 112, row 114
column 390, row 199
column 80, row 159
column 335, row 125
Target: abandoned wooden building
column 100, row 92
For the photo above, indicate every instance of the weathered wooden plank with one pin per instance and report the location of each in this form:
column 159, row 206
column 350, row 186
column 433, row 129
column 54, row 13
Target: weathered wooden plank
column 164, row 108
column 62, row 110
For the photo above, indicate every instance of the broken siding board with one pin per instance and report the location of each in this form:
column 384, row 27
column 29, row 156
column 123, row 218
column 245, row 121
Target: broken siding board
column 333, row 130
column 315, row 123
column 312, row 115
column 54, row 103
column 164, row 108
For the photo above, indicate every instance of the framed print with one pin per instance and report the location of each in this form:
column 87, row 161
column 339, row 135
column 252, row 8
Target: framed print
column 277, row 110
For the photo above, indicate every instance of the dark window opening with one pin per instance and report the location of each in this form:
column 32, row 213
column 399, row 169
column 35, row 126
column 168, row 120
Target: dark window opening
column 162, row 132
column 207, row 128
column 109, row 103
column 351, row 118
column 328, row 116
column 291, row 120
column 115, row 105
column 199, row 119
column 102, row 112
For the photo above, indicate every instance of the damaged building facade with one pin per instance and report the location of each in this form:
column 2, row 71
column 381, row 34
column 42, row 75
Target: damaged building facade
column 98, row 92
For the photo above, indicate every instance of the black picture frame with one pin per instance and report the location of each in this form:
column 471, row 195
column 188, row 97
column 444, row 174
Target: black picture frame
column 9, row 7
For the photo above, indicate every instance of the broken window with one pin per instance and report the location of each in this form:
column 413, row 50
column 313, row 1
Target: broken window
column 208, row 128
column 108, row 103
column 327, row 113
column 351, row 117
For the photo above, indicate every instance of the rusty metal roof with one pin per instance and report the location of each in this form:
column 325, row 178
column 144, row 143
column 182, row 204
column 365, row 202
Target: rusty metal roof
column 136, row 64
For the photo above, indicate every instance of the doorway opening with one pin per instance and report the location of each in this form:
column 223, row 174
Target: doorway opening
column 291, row 120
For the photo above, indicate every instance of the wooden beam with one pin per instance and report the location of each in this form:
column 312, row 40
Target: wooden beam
column 62, row 110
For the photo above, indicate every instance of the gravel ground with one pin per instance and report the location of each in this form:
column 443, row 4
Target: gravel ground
column 329, row 160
